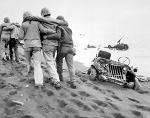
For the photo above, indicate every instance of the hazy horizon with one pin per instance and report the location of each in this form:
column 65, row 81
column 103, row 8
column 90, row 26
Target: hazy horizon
column 88, row 17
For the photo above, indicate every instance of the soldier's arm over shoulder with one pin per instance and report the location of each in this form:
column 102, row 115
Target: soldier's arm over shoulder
column 45, row 20
column 9, row 27
column 64, row 23
column 51, row 20
column 55, row 36
column 45, row 30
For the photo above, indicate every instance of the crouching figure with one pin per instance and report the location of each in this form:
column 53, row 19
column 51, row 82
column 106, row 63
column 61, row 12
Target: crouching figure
column 131, row 80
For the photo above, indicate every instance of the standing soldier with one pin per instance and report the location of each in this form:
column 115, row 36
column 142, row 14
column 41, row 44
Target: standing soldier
column 50, row 43
column 4, row 38
column 30, row 32
column 13, row 43
column 66, row 51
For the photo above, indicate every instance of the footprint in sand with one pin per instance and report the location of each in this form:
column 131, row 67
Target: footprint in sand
column 60, row 110
column 80, row 104
column 67, row 116
column 94, row 106
column 119, row 115
column 113, row 106
column 71, row 110
column 73, row 94
column 13, row 113
column 13, row 109
column 50, row 93
column 137, row 113
column 144, row 108
column 27, row 116
column 63, row 95
column 83, row 80
column 7, row 86
column 8, row 74
column 84, row 94
column 101, row 111
column 12, row 92
column 61, row 103
column 110, row 91
column 78, row 116
column 89, row 84
column 32, row 96
column 43, row 108
column 20, row 67
column 133, row 100
column 98, row 89
column 100, row 103
column 15, row 86
column 116, row 97
column 2, row 85
column 107, row 99
column 2, row 81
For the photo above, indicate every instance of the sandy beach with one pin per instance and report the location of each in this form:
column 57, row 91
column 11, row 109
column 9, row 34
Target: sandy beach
column 91, row 99
column 94, row 23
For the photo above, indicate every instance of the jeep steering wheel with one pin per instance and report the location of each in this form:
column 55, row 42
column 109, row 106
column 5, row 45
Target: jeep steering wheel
column 124, row 60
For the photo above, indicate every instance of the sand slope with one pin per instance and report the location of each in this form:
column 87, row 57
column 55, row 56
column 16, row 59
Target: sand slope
column 19, row 98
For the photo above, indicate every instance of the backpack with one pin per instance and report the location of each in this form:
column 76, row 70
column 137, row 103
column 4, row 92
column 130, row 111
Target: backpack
column 66, row 35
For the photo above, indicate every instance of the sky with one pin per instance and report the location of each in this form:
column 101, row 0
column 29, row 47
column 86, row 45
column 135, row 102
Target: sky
column 87, row 17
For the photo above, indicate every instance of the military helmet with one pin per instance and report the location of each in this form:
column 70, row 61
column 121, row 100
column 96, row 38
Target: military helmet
column 6, row 20
column 25, row 14
column 60, row 18
column 45, row 12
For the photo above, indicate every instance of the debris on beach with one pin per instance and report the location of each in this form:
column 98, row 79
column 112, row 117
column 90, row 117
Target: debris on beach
column 18, row 102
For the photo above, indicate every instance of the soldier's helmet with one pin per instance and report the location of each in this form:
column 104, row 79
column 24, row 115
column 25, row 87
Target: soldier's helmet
column 45, row 12
column 25, row 14
column 60, row 18
column 6, row 20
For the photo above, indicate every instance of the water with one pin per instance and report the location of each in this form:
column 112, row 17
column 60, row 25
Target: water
column 138, row 51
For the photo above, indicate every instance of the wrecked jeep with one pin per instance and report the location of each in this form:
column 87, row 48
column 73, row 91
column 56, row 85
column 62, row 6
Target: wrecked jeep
column 103, row 68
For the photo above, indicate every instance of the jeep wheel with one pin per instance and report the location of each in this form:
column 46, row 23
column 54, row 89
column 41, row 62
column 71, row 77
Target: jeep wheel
column 125, row 47
column 109, row 46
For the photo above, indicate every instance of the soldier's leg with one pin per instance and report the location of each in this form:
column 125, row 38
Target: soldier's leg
column 51, row 67
column 38, row 73
column 69, row 62
column 59, row 65
column 16, row 51
column 11, row 46
column 2, row 49
column 28, row 52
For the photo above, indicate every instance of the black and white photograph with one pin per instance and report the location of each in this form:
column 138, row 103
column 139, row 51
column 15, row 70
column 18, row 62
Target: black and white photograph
column 74, row 59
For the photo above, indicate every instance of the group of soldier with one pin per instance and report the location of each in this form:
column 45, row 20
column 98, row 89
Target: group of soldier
column 42, row 36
